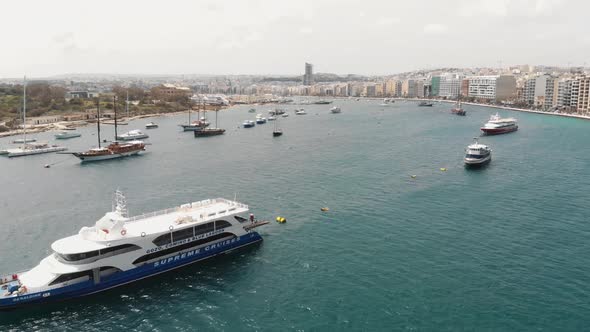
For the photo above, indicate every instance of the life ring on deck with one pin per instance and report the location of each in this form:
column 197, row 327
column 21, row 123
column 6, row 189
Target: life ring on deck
column 123, row 232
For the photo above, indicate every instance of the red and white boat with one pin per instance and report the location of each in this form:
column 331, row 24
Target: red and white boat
column 497, row 125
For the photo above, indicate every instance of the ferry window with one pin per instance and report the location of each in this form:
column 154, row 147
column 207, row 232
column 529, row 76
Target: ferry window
column 240, row 219
column 71, row 276
column 221, row 224
column 108, row 270
column 131, row 247
column 177, row 249
column 206, row 228
column 182, row 234
column 79, row 256
column 163, row 239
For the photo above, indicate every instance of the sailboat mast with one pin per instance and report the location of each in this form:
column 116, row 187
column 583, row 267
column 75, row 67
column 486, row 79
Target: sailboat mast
column 216, row 126
column 25, row 111
column 98, row 119
column 115, row 106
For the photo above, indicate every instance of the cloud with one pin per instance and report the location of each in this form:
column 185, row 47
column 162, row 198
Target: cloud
column 435, row 29
column 512, row 8
column 306, row 30
column 387, row 21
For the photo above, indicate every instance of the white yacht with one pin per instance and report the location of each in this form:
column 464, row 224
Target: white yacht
column 33, row 148
column 132, row 135
column 477, row 154
column 67, row 135
column 300, row 112
column 335, row 110
column 151, row 125
column 260, row 119
column 120, row 249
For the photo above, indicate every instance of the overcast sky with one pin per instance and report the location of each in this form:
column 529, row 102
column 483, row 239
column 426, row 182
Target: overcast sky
column 41, row 38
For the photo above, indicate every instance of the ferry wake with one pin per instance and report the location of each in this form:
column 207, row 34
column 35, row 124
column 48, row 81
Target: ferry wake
column 119, row 250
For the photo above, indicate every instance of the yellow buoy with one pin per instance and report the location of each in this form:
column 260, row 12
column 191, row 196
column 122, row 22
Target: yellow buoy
column 281, row 220
column 443, row 169
column 325, row 209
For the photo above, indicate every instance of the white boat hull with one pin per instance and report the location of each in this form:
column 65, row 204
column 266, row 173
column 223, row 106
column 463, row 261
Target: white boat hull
column 478, row 161
column 131, row 138
column 107, row 156
column 21, row 153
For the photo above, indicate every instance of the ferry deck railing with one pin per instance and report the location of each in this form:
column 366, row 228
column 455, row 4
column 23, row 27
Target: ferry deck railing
column 194, row 205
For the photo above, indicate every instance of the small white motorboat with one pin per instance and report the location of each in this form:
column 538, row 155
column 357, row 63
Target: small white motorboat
column 66, row 135
column 151, row 125
column 132, row 135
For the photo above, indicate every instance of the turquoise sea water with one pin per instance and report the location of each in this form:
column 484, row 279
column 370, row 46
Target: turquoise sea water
column 503, row 248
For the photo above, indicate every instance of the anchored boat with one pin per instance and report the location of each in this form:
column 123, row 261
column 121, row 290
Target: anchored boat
column 132, row 135
column 66, row 135
column 27, row 148
column 497, row 125
column 210, row 131
column 111, row 151
column 119, row 249
column 477, row 154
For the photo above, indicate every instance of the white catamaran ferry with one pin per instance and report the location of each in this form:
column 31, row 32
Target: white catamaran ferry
column 119, row 249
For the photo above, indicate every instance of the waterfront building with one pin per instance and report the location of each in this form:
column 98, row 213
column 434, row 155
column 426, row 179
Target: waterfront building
column 308, row 76
column 379, row 90
column 450, row 85
column 583, row 95
column 465, row 87
column 419, row 89
column 370, row 90
column 435, row 85
column 408, row 88
column 540, row 91
column 567, row 94
column 41, row 120
column 492, row 87
column 169, row 91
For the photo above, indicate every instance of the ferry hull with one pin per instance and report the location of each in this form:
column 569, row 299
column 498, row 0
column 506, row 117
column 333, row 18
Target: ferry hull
column 474, row 162
column 122, row 278
column 499, row 131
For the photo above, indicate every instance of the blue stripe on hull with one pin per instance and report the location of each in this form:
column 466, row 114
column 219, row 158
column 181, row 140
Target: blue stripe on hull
column 125, row 277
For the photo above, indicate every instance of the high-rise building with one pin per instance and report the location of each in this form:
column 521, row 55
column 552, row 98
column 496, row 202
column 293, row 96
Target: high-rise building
column 497, row 87
column 408, row 88
column 539, row 91
column 435, row 85
column 465, row 87
column 308, row 77
column 583, row 95
column 449, row 85
column 419, row 89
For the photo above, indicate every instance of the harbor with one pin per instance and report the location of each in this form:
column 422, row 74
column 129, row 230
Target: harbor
column 368, row 182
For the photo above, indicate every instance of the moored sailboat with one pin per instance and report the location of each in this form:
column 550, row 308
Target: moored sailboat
column 210, row 131
column 28, row 149
column 111, row 151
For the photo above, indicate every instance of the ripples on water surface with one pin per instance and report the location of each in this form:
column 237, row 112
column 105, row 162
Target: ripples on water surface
column 501, row 248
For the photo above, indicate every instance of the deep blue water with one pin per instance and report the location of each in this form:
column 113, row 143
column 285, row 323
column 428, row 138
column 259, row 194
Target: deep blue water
column 503, row 248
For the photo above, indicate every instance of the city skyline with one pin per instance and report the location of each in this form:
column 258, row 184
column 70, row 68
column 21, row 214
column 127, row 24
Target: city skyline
column 232, row 38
